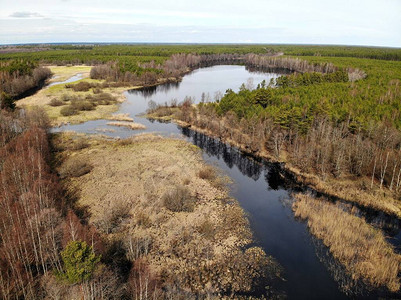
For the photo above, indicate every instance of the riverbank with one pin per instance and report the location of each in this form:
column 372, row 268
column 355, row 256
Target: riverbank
column 57, row 94
column 361, row 248
column 350, row 189
column 169, row 209
column 376, row 267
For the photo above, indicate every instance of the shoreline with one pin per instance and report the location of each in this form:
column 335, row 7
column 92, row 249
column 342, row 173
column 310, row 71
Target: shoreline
column 126, row 204
column 42, row 96
column 306, row 179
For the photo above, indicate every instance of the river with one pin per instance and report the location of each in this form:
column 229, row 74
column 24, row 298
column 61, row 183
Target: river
column 309, row 270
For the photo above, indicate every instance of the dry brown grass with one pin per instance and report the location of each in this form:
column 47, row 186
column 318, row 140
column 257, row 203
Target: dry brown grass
column 201, row 249
column 163, row 113
column 62, row 73
column 361, row 248
column 120, row 117
column 352, row 189
column 130, row 125
column 75, row 167
column 56, row 102
column 107, row 99
column 207, row 172
column 179, row 199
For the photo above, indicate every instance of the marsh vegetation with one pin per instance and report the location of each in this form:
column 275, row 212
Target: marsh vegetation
column 188, row 235
column 169, row 229
column 362, row 249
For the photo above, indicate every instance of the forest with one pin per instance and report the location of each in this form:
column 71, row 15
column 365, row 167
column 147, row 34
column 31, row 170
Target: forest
column 17, row 77
column 336, row 117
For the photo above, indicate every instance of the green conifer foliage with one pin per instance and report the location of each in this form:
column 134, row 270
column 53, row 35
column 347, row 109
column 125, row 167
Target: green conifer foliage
column 79, row 262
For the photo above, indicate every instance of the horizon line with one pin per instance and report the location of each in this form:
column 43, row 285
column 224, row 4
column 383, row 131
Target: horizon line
column 187, row 43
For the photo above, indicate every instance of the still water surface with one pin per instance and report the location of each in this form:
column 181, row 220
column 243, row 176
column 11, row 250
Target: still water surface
column 309, row 270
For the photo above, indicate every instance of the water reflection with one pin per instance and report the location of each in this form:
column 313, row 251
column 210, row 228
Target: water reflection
column 148, row 92
column 276, row 179
column 215, row 82
column 232, row 157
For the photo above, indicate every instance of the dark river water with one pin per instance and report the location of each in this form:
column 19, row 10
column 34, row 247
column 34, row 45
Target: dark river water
column 309, row 270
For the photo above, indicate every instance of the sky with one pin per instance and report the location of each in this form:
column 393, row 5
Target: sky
column 350, row 22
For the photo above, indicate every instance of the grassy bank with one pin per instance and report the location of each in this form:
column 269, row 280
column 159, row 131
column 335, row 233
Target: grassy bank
column 354, row 189
column 62, row 73
column 169, row 210
column 96, row 102
column 361, row 248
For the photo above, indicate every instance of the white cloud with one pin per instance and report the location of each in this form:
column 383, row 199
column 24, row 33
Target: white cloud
column 364, row 22
column 25, row 14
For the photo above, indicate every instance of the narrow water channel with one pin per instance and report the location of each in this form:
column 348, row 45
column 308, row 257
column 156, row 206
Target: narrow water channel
column 309, row 270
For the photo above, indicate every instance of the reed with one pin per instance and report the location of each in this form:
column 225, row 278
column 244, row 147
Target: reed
column 130, row 125
column 361, row 248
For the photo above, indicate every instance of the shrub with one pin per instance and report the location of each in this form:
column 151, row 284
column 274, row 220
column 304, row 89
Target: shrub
column 68, row 111
column 143, row 219
column 208, row 173
column 125, row 142
column 82, row 105
column 105, row 99
column 101, row 99
column 82, row 86
column 79, row 262
column 179, row 199
column 65, row 98
column 80, row 144
column 97, row 90
column 75, row 168
column 56, row 102
column 6, row 101
column 207, row 229
column 112, row 216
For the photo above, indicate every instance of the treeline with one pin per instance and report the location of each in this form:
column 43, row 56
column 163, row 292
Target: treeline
column 179, row 64
column 292, row 64
column 314, row 140
column 56, row 53
column 300, row 65
column 297, row 79
column 320, row 122
column 322, row 147
column 129, row 57
column 17, row 77
column 341, row 51
column 175, row 66
column 301, row 97
column 126, row 57
column 37, row 222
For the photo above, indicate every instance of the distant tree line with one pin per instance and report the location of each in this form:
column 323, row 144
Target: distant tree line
column 179, row 64
column 17, row 77
column 71, row 54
